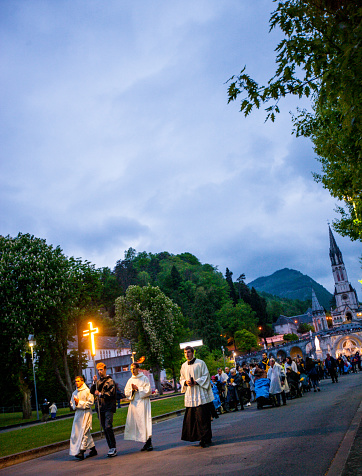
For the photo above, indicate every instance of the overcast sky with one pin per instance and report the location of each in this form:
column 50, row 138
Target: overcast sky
column 116, row 132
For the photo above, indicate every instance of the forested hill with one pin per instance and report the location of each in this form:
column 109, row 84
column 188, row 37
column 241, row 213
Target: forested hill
column 292, row 284
column 215, row 305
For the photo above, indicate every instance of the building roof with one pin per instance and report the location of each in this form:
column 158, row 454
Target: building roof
column 316, row 307
column 102, row 342
column 283, row 320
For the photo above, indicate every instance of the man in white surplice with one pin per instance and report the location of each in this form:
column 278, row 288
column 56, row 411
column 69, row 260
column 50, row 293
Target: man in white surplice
column 81, row 438
column 139, row 419
column 195, row 383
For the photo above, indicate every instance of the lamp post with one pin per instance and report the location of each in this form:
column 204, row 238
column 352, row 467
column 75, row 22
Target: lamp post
column 262, row 335
column 223, row 354
column 32, row 343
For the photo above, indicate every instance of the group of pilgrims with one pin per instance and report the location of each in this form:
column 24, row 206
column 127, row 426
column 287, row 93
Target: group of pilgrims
column 271, row 383
column 266, row 383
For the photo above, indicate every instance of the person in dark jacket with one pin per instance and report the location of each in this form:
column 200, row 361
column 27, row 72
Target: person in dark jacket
column 310, row 367
column 331, row 365
column 105, row 391
column 232, row 395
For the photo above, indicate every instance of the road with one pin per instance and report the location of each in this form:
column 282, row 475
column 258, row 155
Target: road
column 300, row 439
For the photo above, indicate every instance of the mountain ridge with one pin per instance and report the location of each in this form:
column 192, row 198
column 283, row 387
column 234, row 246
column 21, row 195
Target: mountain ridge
column 292, row 284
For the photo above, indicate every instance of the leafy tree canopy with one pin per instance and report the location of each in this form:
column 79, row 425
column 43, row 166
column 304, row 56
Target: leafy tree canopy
column 245, row 341
column 153, row 323
column 320, row 57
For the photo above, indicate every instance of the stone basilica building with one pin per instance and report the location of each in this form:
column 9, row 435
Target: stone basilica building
column 343, row 335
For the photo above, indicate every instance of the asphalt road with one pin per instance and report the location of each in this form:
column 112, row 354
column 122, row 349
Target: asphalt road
column 300, row 439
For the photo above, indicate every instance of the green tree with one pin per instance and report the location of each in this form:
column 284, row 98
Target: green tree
column 290, row 337
column 245, row 341
column 110, row 290
column 235, row 318
column 303, row 328
column 320, row 57
column 153, row 323
column 229, row 280
column 204, row 323
column 33, row 282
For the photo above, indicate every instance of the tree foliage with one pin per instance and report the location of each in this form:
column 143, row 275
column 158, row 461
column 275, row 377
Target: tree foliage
column 152, row 322
column 320, row 57
column 290, row 337
column 46, row 294
column 245, row 341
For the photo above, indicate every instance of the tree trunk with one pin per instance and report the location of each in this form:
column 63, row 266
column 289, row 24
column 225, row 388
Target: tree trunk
column 80, row 346
column 156, row 376
column 174, row 380
column 26, row 393
column 67, row 385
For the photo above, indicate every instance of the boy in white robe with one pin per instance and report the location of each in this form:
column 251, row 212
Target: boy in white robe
column 81, row 438
column 139, row 419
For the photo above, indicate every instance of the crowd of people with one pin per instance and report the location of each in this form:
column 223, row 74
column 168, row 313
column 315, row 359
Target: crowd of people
column 272, row 383
column 268, row 383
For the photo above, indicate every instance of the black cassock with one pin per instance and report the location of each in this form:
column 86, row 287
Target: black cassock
column 197, row 423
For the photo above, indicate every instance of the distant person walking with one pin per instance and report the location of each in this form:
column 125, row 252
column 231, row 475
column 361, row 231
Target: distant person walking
column 81, row 438
column 53, row 411
column 45, row 410
column 331, row 366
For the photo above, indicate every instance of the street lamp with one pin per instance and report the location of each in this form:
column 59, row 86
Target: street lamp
column 133, row 354
column 32, row 343
column 223, row 354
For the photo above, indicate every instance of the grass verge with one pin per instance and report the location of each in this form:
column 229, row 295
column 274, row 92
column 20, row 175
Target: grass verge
column 23, row 439
column 7, row 419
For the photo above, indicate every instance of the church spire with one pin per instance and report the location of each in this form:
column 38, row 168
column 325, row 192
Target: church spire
column 316, row 307
column 334, row 252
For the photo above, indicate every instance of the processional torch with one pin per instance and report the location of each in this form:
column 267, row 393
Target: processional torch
column 90, row 333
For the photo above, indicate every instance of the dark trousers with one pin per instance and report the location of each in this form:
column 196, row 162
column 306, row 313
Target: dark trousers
column 107, row 425
column 240, row 393
column 284, row 400
column 333, row 374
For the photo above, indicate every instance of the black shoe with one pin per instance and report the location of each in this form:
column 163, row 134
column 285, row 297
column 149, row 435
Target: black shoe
column 147, row 445
column 92, row 452
column 203, row 444
column 80, row 455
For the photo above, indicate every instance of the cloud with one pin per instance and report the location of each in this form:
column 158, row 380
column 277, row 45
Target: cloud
column 116, row 132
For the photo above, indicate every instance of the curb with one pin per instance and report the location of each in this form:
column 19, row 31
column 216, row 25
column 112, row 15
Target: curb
column 17, row 458
column 340, row 459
